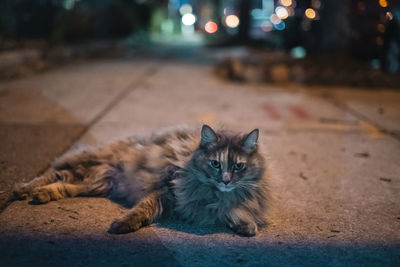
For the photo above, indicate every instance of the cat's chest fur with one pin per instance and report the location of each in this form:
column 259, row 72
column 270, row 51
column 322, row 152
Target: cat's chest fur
column 200, row 203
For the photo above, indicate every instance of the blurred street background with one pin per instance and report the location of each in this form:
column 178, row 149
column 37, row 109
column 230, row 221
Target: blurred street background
column 319, row 78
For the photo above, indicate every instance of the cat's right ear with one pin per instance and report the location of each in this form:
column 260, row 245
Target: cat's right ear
column 250, row 141
column 208, row 135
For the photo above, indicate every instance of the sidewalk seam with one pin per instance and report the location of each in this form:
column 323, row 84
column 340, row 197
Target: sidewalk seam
column 125, row 92
column 359, row 115
column 147, row 74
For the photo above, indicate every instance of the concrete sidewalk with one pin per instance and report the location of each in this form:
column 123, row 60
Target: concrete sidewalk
column 334, row 153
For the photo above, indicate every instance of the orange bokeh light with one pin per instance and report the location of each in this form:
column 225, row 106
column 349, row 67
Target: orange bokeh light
column 383, row 3
column 211, row 27
column 310, row 13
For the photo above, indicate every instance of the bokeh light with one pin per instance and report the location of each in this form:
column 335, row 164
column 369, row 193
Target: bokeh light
column 167, row 27
column 68, row 4
column 375, row 63
column 379, row 41
column 275, row 19
column 228, row 11
column 188, row 19
column 383, row 3
column 290, row 11
column 298, row 52
column 310, row 13
column 266, row 26
column 281, row 12
column 286, row 2
column 185, row 9
column 211, row 27
column 280, row 26
column 257, row 13
column 232, row 21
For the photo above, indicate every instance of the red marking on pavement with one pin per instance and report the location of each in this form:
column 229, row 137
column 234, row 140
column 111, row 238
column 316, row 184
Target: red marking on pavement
column 271, row 111
column 299, row 112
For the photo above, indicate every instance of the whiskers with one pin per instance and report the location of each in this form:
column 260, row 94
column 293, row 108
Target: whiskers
column 247, row 186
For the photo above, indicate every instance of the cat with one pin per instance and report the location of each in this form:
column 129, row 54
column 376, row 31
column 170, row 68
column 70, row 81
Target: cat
column 204, row 177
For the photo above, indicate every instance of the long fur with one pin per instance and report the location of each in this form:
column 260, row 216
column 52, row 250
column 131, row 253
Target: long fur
column 171, row 173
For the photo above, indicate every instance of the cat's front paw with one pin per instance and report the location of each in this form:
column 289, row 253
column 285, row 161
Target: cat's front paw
column 40, row 196
column 123, row 227
column 246, row 229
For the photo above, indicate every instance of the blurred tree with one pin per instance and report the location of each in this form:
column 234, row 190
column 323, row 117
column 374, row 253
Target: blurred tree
column 26, row 19
column 390, row 52
column 70, row 20
column 334, row 30
column 244, row 18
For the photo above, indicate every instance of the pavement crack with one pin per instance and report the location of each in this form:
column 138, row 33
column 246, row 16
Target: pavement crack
column 302, row 176
column 362, row 155
column 122, row 95
column 115, row 101
column 338, row 121
column 384, row 179
column 68, row 210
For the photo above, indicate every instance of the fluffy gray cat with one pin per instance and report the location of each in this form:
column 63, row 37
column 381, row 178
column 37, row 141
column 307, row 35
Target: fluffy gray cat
column 202, row 177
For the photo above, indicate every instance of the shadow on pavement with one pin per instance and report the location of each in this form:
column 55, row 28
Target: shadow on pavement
column 128, row 250
column 89, row 251
column 183, row 227
column 33, row 131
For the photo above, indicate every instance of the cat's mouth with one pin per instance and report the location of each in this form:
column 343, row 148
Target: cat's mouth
column 225, row 188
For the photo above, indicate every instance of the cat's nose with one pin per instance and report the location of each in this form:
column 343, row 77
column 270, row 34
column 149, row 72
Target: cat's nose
column 226, row 178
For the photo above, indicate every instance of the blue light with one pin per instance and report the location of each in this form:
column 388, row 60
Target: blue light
column 298, row 52
column 375, row 64
column 280, row 26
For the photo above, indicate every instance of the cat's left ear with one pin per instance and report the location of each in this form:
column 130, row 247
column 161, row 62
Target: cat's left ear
column 250, row 141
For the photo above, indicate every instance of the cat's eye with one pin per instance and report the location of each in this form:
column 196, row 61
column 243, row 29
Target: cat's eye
column 238, row 166
column 215, row 163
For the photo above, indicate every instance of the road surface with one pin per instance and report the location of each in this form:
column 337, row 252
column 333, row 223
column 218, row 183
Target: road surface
column 334, row 157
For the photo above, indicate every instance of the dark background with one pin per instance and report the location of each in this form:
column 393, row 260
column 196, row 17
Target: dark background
column 364, row 33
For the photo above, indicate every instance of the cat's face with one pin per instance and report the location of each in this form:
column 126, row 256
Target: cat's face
column 228, row 162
